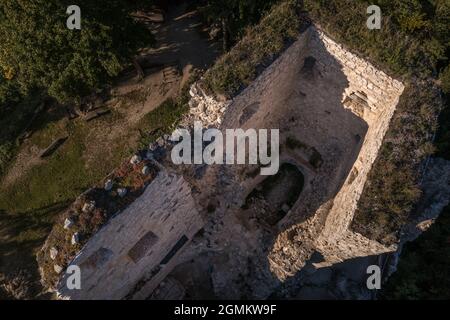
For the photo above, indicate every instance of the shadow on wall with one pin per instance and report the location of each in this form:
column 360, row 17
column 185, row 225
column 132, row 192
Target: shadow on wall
column 341, row 281
column 301, row 93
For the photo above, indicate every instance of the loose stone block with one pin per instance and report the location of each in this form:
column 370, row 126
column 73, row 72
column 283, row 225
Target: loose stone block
column 53, row 253
column 75, row 238
column 109, row 185
column 68, row 223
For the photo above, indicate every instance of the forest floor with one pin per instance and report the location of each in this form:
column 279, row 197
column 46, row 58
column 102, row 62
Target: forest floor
column 34, row 190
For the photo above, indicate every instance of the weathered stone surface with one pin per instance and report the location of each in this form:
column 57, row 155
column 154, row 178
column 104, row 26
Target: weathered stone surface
column 307, row 105
column 145, row 170
column 122, row 192
column 58, row 269
column 135, row 159
column 75, row 238
column 53, row 253
column 281, row 92
column 68, row 223
column 168, row 210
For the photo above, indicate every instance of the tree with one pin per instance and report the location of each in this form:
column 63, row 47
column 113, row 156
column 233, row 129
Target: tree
column 233, row 16
column 39, row 51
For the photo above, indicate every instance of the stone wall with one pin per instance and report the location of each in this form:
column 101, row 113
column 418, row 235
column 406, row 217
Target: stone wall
column 135, row 251
column 320, row 219
column 337, row 186
column 383, row 94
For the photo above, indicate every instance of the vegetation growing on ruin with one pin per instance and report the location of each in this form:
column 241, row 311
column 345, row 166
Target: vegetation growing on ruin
column 413, row 39
column 87, row 222
column 392, row 189
column 413, row 44
column 257, row 49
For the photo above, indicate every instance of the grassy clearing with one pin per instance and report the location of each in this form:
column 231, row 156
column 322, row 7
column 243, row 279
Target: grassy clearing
column 30, row 205
column 62, row 176
column 160, row 121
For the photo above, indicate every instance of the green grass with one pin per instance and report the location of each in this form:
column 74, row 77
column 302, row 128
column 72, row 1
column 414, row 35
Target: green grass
column 161, row 120
column 12, row 122
column 61, row 178
column 398, row 48
column 165, row 118
column 392, row 187
column 262, row 43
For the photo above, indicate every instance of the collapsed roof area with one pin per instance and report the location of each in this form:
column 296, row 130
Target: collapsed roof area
column 223, row 230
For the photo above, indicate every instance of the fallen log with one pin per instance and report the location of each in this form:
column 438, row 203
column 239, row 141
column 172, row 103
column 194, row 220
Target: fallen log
column 53, row 147
column 96, row 113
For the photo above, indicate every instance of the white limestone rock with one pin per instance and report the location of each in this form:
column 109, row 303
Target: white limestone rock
column 58, row 269
column 68, row 223
column 75, row 238
column 193, row 91
column 88, row 207
column 135, row 159
column 145, row 170
column 109, row 185
column 121, row 192
column 53, row 253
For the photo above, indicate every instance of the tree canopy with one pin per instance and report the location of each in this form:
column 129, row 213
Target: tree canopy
column 234, row 16
column 39, row 51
